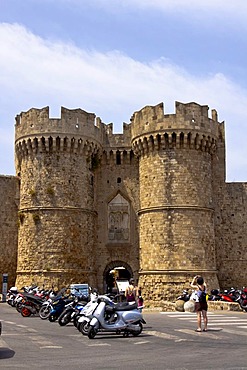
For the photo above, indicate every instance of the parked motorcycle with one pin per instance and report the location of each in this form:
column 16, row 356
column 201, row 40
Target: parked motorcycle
column 31, row 300
column 231, row 295
column 71, row 310
column 19, row 301
column 185, row 296
column 214, row 295
column 242, row 298
column 11, row 295
column 120, row 318
column 31, row 305
column 45, row 309
column 15, row 298
column 58, row 305
column 228, row 295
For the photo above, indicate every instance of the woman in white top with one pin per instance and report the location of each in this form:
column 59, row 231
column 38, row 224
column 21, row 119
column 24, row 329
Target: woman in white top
column 201, row 305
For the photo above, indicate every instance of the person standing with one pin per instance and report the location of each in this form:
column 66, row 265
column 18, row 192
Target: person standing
column 110, row 282
column 139, row 299
column 130, row 292
column 201, row 305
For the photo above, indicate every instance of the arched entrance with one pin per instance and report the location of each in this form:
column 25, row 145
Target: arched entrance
column 115, row 273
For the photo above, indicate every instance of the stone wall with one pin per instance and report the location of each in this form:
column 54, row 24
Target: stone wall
column 9, row 200
column 231, row 236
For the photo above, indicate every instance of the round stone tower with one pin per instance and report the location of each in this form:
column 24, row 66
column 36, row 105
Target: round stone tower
column 176, row 215
column 55, row 160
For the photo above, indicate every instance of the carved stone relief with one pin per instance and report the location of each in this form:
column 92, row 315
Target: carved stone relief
column 118, row 219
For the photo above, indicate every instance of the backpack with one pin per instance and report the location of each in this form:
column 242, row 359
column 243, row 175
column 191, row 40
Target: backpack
column 202, row 296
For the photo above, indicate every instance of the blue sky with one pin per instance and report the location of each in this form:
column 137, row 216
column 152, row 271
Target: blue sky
column 113, row 57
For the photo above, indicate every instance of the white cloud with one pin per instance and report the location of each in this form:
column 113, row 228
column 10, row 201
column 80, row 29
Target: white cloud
column 37, row 73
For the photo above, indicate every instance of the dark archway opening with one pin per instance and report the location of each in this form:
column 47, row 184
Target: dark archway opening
column 116, row 276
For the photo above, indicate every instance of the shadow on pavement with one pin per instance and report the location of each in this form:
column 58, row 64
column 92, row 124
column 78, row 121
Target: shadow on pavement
column 6, row 353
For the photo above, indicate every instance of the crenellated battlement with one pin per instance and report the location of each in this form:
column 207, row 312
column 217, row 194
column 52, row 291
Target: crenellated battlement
column 75, row 122
column 188, row 118
column 31, row 147
column 148, row 143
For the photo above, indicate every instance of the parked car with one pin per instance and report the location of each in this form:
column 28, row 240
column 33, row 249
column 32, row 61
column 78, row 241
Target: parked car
column 80, row 290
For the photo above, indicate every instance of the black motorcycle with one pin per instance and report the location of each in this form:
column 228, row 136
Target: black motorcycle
column 71, row 311
column 185, row 296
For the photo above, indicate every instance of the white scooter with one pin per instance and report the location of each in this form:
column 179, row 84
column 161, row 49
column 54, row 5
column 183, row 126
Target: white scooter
column 121, row 318
column 86, row 314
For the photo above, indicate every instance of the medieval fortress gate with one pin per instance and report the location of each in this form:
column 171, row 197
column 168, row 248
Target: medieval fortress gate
column 152, row 199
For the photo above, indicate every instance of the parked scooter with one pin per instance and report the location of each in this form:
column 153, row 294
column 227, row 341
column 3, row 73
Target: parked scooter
column 83, row 319
column 121, row 318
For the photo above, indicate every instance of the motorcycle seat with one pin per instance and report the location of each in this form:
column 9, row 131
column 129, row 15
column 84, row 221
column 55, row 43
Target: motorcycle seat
column 33, row 298
column 125, row 307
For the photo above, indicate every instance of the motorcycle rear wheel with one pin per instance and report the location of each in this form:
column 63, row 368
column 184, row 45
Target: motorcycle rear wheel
column 137, row 332
column 11, row 302
column 25, row 312
column 44, row 312
column 91, row 332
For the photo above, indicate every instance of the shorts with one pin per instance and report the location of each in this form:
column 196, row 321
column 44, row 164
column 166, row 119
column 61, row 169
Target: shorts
column 201, row 306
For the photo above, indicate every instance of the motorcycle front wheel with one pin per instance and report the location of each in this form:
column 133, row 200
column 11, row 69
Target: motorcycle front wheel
column 64, row 318
column 84, row 327
column 44, row 312
column 75, row 321
column 91, row 332
column 19, row 306
column 244, row 308
column 52, row 318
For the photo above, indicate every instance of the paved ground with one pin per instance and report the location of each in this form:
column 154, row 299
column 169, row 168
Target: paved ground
column 169, row 341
